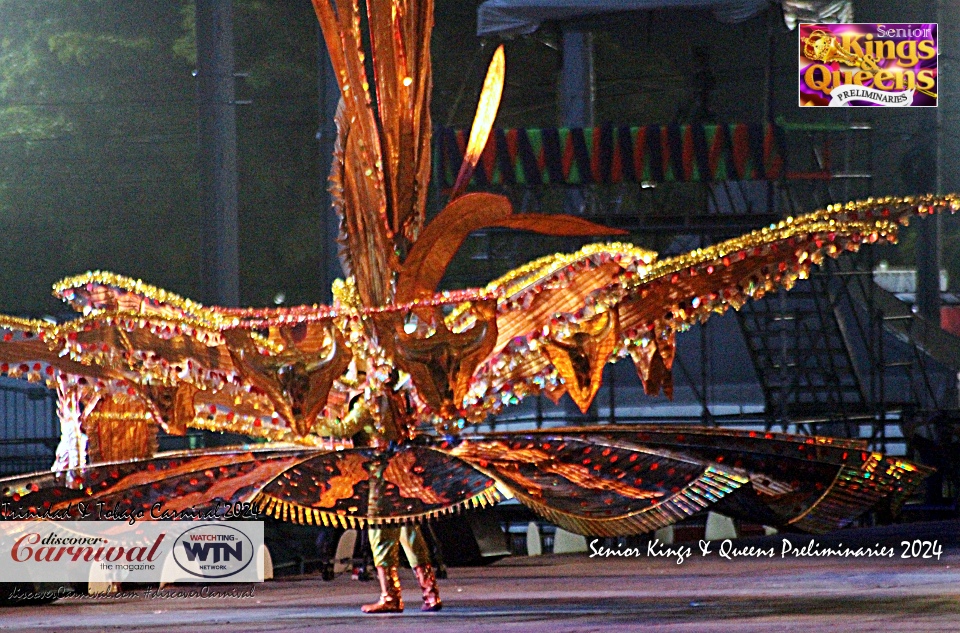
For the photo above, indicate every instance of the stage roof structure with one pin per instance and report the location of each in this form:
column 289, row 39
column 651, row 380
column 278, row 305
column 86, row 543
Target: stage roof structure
column 522, row 17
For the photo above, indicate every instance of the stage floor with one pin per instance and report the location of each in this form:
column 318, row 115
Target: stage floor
column 571, row 593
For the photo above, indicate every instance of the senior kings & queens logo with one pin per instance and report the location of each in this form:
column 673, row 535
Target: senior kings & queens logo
column 868, row 65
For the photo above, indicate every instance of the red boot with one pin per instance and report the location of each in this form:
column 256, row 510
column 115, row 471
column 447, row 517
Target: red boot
column 428, row 582
column 390, row 599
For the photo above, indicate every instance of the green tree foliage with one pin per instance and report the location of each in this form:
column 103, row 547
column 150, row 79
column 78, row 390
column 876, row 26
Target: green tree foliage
column 97, row 132
column 98, row 147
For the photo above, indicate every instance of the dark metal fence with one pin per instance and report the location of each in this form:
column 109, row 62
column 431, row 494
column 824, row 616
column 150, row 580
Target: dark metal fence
column 29, row 428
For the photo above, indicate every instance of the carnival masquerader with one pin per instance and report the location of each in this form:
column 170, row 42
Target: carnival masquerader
column 430, row 364
column 386, row 541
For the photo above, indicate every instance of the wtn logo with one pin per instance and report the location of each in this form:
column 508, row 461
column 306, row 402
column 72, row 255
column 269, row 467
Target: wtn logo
column 221, row 551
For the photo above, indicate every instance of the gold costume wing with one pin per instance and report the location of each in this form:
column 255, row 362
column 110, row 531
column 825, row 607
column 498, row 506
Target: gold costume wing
column 349, row 488
column 561, row 318
column 159, row 357
column 24, row 353
column 207, row 481
column 581, row 477
column 600, row 485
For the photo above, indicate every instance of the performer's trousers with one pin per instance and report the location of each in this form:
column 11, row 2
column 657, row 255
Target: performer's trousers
column 386, row 542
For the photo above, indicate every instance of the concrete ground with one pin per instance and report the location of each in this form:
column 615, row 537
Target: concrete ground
column 577, row 593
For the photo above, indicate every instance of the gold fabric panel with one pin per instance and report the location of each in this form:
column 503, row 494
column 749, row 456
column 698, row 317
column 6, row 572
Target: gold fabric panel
column 120, row 428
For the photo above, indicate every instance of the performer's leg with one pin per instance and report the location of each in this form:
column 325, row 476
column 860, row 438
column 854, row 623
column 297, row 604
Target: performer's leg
column 415, row 547
column 410, row 537
column 385, row 543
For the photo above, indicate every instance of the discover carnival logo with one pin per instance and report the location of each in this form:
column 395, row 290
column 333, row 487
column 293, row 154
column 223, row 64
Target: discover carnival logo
column 213, row 551
column 868, row 65
column 148, row 552
column 54, row 548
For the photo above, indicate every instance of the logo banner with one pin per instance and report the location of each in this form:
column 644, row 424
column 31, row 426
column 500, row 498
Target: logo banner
column 863, row 65
column 147, row 552
column 845, row 94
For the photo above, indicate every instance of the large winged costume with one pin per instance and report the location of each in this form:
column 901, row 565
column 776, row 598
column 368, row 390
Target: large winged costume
column 408, row 368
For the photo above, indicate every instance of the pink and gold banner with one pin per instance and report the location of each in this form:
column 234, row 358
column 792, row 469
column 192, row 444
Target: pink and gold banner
column 868, row 65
